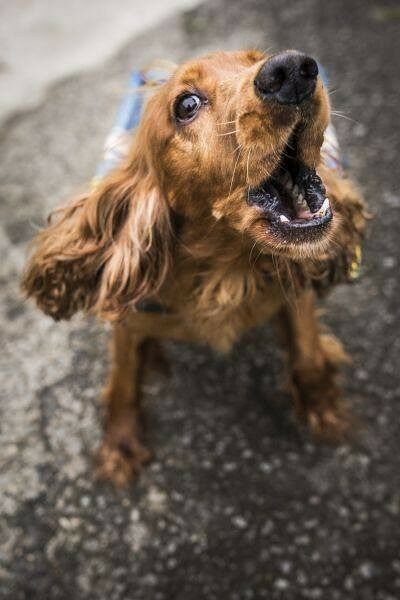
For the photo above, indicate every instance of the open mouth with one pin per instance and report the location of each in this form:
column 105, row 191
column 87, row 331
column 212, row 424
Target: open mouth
column 293, row 199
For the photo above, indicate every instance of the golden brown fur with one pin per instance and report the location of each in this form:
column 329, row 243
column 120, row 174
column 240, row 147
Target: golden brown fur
column 172, row 225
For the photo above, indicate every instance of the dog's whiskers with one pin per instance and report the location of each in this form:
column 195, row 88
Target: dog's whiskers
column 251, row 252
column 239, row 147
column 292, row 284
column 263, row 51
column 247, row 166
column 275, row 261
column 234, row 170
column 278, row 276
column 256, row 258
column 228, row 133
column 339, row 114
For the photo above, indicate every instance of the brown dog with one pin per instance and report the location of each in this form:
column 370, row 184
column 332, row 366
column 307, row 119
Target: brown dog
column 219, row 220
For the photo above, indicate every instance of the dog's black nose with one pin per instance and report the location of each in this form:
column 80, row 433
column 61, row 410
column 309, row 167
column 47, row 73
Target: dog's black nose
column 289, row 78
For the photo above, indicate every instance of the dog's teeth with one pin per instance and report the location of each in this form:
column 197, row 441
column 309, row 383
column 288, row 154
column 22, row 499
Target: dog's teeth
column 322, row 211
column 300, row 202
column 283, row 219
column 325, row 206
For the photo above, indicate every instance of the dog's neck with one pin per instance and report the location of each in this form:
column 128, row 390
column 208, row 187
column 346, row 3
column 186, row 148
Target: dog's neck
column 211, row 250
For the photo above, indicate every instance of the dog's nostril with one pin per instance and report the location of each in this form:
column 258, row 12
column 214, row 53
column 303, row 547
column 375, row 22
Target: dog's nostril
column 308, row 68
column 275, row 80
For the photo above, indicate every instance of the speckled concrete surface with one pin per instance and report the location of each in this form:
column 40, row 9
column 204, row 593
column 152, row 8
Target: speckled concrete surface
column 239, row 504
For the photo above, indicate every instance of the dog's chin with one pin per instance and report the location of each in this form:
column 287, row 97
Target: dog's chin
column 295, row 212
column 315, row 247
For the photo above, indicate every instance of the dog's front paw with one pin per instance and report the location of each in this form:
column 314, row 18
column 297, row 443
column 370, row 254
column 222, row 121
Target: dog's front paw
column 332, row 423
column 325, row 413
column 120, row 458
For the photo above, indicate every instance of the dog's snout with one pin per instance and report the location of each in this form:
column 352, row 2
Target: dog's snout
column 289, row 78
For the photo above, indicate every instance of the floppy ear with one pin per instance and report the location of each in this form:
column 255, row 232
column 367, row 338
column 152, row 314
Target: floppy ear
column 104, row 252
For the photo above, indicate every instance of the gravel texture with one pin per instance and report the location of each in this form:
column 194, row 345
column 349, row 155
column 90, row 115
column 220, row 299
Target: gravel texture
column 239, row 504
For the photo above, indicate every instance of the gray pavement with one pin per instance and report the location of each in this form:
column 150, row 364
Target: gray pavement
column 46, row 40
column 239, row 504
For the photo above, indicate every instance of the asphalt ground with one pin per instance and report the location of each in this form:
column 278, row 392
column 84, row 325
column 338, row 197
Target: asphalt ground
column 239, row 503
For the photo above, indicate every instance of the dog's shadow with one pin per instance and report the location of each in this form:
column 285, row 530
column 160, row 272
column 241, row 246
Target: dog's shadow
column 243, row 389
column 265, row 386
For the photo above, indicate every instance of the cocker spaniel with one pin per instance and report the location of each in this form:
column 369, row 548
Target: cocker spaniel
column 223, row 216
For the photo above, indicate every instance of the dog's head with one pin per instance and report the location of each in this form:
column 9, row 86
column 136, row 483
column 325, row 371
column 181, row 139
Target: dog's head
column 239, row 135
column 233, row 137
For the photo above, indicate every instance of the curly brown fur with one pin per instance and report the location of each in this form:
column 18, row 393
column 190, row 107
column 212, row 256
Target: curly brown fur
column 174, row 225
column 105, row 251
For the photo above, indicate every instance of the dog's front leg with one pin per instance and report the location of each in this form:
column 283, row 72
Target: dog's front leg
column 313, row 362
column 122, row 453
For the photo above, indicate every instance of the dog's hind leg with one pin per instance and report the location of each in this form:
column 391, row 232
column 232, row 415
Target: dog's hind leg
column 122, row 452
column 314, row 359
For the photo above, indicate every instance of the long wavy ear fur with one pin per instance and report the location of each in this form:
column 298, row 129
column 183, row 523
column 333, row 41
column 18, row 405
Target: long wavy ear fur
column 104, row 252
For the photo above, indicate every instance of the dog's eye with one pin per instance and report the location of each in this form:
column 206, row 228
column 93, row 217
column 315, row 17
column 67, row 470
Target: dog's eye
column 187, row 106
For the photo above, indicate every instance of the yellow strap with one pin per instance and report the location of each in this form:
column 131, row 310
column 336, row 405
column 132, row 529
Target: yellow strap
column 354, row 269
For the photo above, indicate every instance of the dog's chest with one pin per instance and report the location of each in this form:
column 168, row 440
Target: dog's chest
column 222, row 304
